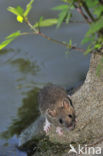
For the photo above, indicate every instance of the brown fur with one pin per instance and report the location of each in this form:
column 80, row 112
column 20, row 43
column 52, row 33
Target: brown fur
column 56, row 107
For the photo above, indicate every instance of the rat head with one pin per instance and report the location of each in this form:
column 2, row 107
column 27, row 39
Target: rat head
column 64, row 115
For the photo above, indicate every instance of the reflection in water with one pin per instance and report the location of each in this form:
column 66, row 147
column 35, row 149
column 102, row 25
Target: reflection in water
column 10, row 148
column 5, row 51
column 25, row 65
column 27, row 113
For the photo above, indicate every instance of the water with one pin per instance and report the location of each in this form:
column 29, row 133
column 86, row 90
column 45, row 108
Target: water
column 34, row 61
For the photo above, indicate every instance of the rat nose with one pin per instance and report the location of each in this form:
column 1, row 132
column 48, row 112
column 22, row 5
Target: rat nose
column 70, row 126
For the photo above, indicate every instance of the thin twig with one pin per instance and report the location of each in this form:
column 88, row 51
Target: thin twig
column 87, row 10
column 26, row 33
column 61, row 42
column 30, row 25
column 36, row 32
column 79, row 9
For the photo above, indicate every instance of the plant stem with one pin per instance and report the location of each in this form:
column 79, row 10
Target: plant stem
column 87, row 11
column 61, row 42
column 79, row 9
column 36, row 32
column 30, row 25
column 26, row 33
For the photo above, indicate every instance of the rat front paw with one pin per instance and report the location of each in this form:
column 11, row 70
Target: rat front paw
column 46, row 126
column 59, row 131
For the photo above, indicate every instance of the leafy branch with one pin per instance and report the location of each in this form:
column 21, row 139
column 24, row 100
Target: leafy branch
column 22, row 16
column 84, row 7
column 37, row 32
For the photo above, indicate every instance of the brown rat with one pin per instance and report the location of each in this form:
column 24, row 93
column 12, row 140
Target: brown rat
column 56, row 106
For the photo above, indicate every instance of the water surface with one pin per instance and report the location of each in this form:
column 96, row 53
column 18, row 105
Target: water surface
column 33, row 61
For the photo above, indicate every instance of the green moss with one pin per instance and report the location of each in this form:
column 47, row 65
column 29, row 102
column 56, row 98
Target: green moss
column 43, row 146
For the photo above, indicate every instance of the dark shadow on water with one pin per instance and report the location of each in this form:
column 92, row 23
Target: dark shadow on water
column 25, row 65
column 5, row 51
column 10, row 148
column 27, row 113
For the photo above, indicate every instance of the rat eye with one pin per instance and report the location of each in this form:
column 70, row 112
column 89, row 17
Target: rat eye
column 61, row 121
column 70, row 116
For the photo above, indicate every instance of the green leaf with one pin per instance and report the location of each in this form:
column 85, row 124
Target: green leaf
column 98, row 46
column 66, row 1
column 5, row 43
column 20, row 10
column 13, row 10
column 68, row 17
column 65, row 13
column 60, row 7
column 89, row 49
column 41, row 19
column 46, row 22
column 88, row 39
column 17, row 11
column 20, row 19
column 70, row 43
column 62, row 16
column 98, row 10
column 15, row 34
column 28, row 8
column 91, row 4
column 95, row 27
column 9, row 39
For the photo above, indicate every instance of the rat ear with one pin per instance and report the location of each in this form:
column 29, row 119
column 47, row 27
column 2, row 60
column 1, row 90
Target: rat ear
column 66, row 103
column 51, row 112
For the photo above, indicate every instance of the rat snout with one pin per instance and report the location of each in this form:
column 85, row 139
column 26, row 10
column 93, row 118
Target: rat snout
column 70, row 126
